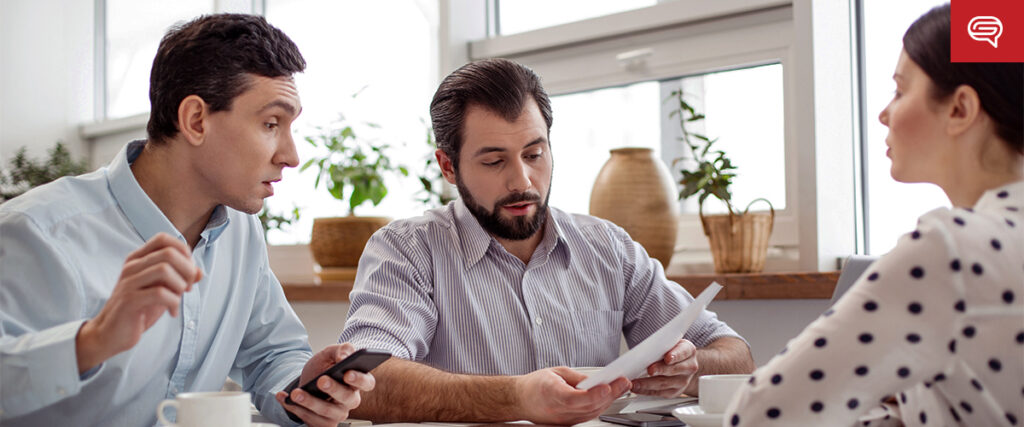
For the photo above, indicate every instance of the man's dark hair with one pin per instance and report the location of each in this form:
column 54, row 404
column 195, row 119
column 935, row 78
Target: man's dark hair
column 499, row 85
column 1000, row 86
column 212, row 57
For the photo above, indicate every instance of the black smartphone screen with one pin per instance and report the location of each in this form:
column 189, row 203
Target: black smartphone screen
column 363, row 360
column 637, row 419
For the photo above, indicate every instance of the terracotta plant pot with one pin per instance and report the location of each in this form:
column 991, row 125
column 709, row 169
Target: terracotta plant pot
column 339, row 241
column 635, row 191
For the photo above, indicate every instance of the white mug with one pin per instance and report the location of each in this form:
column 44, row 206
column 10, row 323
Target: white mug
column 208, row 409
column 717, row 390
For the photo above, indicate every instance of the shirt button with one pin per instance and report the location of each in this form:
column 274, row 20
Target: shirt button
column 61, row 391
column 538, row 320
column 191, row 324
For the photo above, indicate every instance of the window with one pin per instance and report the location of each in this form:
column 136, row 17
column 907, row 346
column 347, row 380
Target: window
column 517, row 16
column 588, row 124
column 133, row 32
column 608, row 77
column 349, row 50
column 891, row 208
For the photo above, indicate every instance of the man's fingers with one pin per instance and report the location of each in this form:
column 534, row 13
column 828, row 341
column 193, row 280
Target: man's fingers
column 360, row 381
column 159, row 241
column 342, row 394
column 158, row 296
column 686, row 367
column 167, row 255
column 661, row 386
column 309, row 417
column 570, row 376
column 340, row 351
column 158, row 275
column 322, row 411
column 684, row 349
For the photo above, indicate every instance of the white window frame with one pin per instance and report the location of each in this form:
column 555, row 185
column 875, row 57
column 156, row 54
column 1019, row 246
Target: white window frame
column 811, row 40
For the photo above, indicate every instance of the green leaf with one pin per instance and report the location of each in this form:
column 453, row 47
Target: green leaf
column 307, row 164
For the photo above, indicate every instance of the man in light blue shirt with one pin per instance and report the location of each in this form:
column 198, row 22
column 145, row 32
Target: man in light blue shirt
column 149, row 277
column 487, row 300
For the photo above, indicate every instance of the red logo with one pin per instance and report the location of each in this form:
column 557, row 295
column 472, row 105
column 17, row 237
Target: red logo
column 987, row 31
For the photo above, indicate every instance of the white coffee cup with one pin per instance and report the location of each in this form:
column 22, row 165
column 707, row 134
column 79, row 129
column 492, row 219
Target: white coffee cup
column 717, row 390
column 208, row 409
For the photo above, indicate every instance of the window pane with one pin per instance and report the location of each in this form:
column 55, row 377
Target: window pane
column 348, row 51
column 893, row 207
column 134, row 29
column 517, row 16
column 586, row 125
column 744, row 110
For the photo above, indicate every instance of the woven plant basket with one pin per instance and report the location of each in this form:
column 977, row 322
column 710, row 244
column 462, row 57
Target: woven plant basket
column 739, row 242
column 339, row 241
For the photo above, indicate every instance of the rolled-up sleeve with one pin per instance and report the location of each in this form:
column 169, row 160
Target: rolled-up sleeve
column 38, row 361
column 391, row 300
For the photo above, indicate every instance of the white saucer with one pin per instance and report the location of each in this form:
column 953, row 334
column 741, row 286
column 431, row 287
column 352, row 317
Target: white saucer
column 693, row 416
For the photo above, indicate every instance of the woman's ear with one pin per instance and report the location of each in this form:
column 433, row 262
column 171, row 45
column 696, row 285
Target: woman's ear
column 192, row 114
column 963, row 109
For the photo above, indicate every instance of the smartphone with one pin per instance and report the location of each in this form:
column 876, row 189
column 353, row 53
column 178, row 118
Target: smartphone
column 637, row 419
column 363, row 360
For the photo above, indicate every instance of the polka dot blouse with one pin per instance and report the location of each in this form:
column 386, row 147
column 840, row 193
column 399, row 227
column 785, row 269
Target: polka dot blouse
column 931, row 335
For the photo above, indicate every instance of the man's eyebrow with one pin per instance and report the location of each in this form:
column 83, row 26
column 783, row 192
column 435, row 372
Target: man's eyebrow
column 281, row 104
column 485, row 150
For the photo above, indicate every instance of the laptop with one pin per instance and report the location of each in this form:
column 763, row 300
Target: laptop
column 853, row 268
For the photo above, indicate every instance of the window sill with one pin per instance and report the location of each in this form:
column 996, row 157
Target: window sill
column 751, row 286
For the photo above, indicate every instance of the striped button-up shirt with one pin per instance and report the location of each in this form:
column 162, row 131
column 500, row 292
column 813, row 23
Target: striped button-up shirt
column 439, row 289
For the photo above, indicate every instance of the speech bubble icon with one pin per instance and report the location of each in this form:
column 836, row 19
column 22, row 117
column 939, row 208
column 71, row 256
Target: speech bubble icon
column 985, row 28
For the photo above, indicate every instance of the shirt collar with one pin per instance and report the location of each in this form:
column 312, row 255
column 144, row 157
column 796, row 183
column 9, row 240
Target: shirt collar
column 475, row 241
column 144, row 215
column 1008, row 198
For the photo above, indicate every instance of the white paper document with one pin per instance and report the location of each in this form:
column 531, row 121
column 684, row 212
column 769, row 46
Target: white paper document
column 634, row 362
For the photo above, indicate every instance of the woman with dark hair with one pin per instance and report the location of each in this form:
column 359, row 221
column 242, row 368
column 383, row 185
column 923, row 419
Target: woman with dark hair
column 933, row 333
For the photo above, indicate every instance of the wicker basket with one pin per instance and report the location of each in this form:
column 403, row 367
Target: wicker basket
column 739, row 242
column 339, row 242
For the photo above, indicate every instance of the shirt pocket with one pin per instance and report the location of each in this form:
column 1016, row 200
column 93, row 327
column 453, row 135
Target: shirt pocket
column 599, row 333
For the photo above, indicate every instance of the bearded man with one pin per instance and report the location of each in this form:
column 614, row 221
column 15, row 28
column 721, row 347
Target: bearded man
column 486, row 300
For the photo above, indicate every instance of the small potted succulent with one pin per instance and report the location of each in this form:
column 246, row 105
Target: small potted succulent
column 738, row 239
column 352, row 169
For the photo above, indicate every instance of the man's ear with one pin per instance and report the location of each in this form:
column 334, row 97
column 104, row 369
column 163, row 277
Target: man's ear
column 963, row 110
column 447, row 168
column 192, row 114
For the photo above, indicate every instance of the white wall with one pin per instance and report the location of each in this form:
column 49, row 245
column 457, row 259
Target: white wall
column 46, row 74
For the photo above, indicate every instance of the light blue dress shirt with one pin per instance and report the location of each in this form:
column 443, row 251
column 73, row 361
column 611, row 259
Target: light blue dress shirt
column 440, row 290
column 62, row 247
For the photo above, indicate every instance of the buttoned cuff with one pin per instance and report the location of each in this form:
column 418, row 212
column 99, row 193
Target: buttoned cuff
column 40, row 369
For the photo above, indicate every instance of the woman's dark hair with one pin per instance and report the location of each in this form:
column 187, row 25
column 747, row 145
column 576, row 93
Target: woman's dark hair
column 212, row 57
column 1000, row 86
column 500, row 85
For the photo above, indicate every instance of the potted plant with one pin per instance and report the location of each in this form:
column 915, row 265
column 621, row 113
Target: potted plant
column 277, row 221
column 738, row 240
column 353, row 169
column 24, row 173
column 436, row 191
